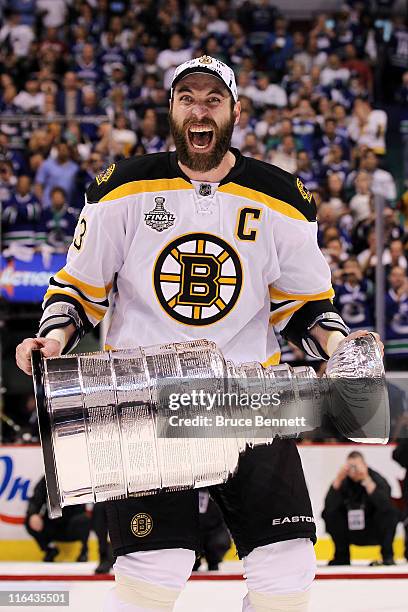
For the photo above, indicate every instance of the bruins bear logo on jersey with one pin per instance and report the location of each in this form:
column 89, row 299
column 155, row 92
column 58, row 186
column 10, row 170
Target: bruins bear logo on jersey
column 198, row 278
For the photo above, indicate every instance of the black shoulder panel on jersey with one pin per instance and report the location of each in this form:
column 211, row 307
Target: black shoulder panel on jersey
column 146, row 167
column 277, row 183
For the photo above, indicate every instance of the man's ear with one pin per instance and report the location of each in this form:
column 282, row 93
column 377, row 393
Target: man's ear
column 237, row 112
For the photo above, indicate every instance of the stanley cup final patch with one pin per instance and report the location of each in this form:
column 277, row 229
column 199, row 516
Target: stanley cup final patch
column 159, row 218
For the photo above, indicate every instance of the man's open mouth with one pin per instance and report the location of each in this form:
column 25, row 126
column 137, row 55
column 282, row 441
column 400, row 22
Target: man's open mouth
column 200, row 137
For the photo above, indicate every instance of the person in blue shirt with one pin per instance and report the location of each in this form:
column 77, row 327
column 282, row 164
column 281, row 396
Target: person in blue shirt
column 58, row 172
column 396, row 319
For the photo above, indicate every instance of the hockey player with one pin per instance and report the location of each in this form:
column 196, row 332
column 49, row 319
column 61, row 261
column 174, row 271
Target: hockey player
column 202, row 242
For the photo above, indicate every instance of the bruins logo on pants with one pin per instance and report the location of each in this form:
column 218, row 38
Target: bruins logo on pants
column 141, row 525
column 198, row 279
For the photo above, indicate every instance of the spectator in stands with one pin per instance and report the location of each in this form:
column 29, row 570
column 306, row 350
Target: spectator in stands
column 394, row 255
column 354, row 296
column 16, row 35
column 265, row 93
column 307, row 171
column 358, row 66
column 148, row 135
column 69, row 99
column 358, row 510
column 278, row 47
column 396, row 319
column 361, row 204
column 334, row 254
column 58, row 172
column 334, row 72
column 334, row 163
column 382, row 183
column 173, row 56
column 367, row 126
column 285, row 155
column 72, row 526
column 57, row 224
column 329, row 138
column 86, row 67
column 30, row 99
column 20, row 216
column 241, row 130
column 7, row 180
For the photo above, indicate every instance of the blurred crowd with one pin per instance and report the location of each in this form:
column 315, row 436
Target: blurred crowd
column 85, row 83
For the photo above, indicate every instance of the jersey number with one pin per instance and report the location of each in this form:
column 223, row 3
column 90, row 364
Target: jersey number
column 81, row 233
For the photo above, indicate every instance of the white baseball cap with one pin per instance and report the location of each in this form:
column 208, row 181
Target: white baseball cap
column 206, row 65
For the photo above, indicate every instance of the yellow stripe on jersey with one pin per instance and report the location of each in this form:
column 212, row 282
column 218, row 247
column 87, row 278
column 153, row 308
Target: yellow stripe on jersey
column 94, row 311
column 262, row 198
column 277, row 317
column 278, row 294
column 146, row 186
column 272, row 360
column 91, row 290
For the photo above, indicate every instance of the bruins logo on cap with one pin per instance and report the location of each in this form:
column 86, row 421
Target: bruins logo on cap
column 306, row 195
column 141, row 525
column 205, row 59
column 198, row 279
column 104, row 176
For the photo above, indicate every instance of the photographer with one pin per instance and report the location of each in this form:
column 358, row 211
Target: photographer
column 358, row 510
column 73, row 525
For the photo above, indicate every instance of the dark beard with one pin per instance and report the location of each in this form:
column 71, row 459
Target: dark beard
column 202, row 162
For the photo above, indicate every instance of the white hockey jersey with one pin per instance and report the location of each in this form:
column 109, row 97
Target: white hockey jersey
column 179, row 260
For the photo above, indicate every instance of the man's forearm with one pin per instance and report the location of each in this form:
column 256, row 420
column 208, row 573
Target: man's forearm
column 329, row 340
column 61, row 334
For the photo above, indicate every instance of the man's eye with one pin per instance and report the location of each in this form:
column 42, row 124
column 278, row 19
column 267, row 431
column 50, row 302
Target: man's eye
column 214, row 100
column 186, row 99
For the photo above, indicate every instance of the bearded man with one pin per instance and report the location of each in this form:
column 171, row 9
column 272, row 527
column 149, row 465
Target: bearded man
column 202, row 242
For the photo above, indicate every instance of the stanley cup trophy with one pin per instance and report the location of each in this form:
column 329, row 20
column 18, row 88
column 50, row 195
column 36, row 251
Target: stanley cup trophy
column 137, row 421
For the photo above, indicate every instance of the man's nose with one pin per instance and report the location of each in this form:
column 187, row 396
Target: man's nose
column 199, row 111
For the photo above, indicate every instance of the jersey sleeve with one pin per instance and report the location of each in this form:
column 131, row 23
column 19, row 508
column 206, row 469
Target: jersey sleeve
column 305, row 276
column 93, row 259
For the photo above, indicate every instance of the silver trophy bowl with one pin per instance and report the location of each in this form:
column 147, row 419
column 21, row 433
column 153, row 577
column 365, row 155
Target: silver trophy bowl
column 105, row 418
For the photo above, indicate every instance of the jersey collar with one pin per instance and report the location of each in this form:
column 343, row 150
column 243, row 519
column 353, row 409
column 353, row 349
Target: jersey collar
column 235, row 171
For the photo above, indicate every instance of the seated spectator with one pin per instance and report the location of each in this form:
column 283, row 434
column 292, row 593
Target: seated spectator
column 252, row 147
column 243, row 127
column 58, row 172
column 354, row 296
column 123, row 138
column 86, row 66
column 394, row 256
column 278, row 47
column 268, row 125
column 334, row 163
column 382, row 182
column 20, row 216
column 148, row 135
column 57, row 224
column 90, row 108
column 31, row 99
column 367, row 126
column 173, row 56
column 69, row 97
column 72, row 526
column 358, row 66
column 304, row 124
column 18, row 35
column 361, row 204
column 264, row 93
column 396, row 319
column 334, row 254
column 307, row 171
column 285, row 155
column 329, row 138
column 334, row 72
column 358, row 510
column 8, row 180
column 334, row 193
